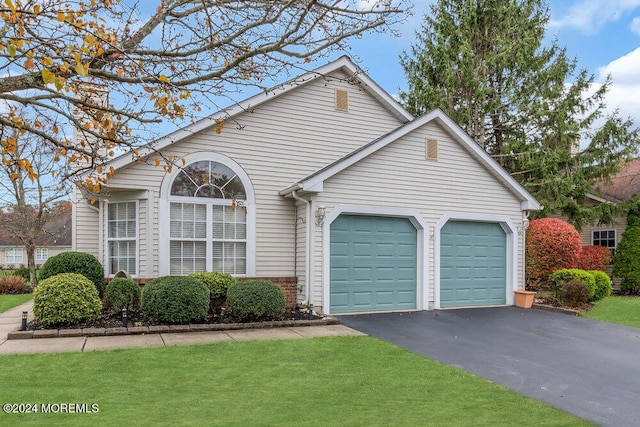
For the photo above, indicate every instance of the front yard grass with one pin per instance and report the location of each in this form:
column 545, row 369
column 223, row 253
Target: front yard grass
column 346, row 381
column 621, row 310
column 10, row 301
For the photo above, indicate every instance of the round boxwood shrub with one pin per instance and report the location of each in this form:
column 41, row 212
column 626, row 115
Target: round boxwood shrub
column 575, row 293
column 66, row 298
column 603, row 285
column 175, row 299
column 558, row 279
column 551, row 244
column 218, row 283
column 122, row 293
column 75, row 262
column 256, row 299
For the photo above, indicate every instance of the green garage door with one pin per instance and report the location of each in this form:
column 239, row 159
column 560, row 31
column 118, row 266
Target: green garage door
column 473, row 264
column 373, row 264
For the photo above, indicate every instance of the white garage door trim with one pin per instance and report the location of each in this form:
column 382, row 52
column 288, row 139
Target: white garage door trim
column 416, row 219
column 512, row 245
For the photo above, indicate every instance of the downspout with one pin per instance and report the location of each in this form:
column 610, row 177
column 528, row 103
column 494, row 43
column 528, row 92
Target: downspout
column 307, row 264
column 525, row 225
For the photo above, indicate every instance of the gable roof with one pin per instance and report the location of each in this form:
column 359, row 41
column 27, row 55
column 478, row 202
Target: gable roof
column 623, row 185
column 344, row 63
column 315, row 181
column 57, row 231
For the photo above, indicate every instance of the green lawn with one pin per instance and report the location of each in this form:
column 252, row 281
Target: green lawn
column 10, row 301
column 350, row 381
column 621, row 310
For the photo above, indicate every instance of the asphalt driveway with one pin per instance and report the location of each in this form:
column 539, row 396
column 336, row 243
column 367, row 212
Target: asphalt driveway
column 585, row 367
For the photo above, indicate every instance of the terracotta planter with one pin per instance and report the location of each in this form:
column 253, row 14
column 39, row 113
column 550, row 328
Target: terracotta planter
column 524, row 299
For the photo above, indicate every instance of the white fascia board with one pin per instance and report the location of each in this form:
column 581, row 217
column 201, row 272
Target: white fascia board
column 287, row 191
column 597, row 198
column 248, row 104
column 527, row 200
column 316, row 180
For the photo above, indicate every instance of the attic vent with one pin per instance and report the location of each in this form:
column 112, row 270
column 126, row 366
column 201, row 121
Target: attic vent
column 432, row 149
column 342, row 100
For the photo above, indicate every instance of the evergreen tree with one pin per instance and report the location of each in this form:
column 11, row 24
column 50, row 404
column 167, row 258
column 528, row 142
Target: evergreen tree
column 483, row 62
column 626, row 260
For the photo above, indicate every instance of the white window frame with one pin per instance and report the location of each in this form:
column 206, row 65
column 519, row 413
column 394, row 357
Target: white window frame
column 108, row 239
column 42, row 254
column 209, row 239
column 615, row 237
column 166, row 198
column 10, row 256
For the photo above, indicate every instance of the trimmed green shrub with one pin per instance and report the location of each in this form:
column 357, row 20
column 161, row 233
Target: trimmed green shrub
column 256, row 299
column 558, row 279
column 603, row 285
column 122, row 293
column 631, row 284
column 14, row 285
column 175, row 299
column 575, row 293
column 626, row 260
column 218, row 283
column 75, row 262
column 23, row 272
column 66, row 298
column 551, row 244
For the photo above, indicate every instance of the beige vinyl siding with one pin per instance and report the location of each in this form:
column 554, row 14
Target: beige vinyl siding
column 85, row 232
column 277, row 144
column 587, row 231
column 52, row 251
column 620, row 224
column 399, row 176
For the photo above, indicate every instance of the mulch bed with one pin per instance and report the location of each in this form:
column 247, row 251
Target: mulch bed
column 109, row 325
column 135, row 318
column 545, row 304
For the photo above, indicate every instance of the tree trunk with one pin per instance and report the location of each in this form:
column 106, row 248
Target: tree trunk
column 31, row 262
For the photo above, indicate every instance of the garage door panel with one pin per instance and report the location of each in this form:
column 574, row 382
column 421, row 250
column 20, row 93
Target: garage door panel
column 472, row 264
column 380, row 255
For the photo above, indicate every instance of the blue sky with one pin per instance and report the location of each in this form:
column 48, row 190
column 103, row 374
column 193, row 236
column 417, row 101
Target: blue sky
column 604, row 36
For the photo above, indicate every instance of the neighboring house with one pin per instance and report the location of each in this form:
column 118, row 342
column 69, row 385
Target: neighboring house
column 55, row 239
column 327, row 183
column 623, row 186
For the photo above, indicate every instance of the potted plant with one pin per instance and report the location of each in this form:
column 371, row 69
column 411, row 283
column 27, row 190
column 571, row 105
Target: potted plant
column 524, row 299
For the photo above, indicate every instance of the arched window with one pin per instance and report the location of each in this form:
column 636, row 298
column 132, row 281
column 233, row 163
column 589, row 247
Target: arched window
column 208, row 179
column 207, row 220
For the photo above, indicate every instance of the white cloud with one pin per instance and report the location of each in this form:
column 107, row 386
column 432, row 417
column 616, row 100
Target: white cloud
column 589, row 16
column 624, row 92
column 635, row 25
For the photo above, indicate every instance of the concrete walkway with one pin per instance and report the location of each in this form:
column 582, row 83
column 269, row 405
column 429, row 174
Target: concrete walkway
column 11, row 321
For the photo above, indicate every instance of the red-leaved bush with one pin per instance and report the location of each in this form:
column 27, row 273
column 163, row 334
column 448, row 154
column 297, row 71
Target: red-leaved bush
column 594, row 258
column 551, row 244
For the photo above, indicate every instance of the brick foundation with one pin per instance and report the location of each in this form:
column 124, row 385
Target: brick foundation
column 288, row 284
